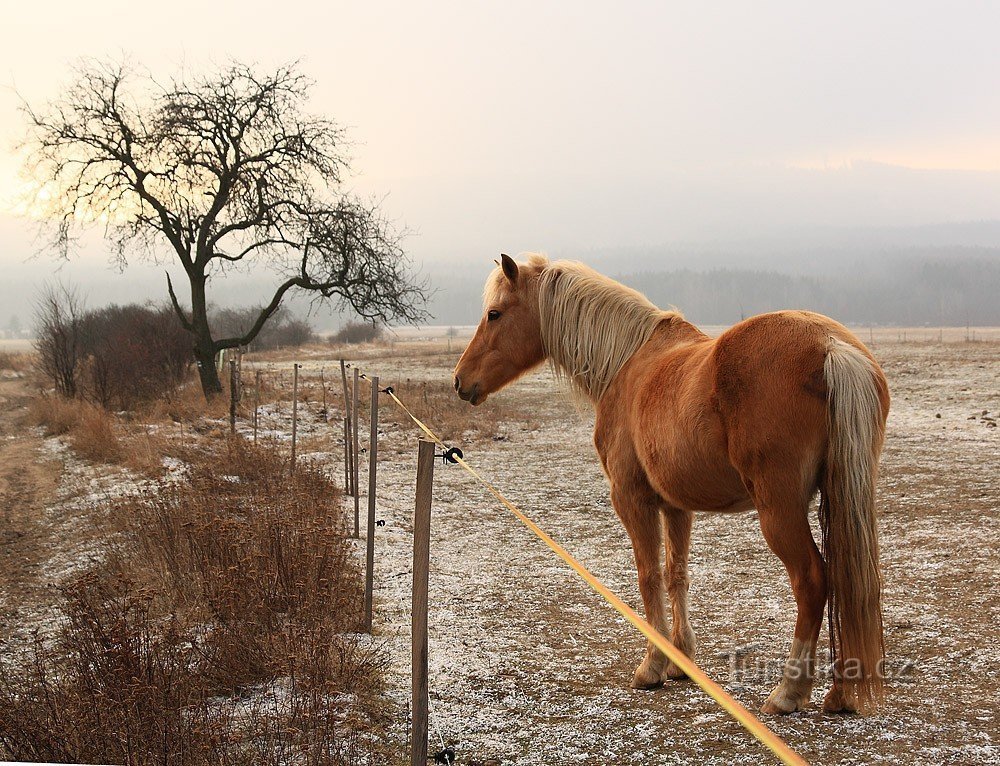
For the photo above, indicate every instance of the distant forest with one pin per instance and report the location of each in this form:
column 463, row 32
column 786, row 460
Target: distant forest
column 952, row 292
column 940, row 286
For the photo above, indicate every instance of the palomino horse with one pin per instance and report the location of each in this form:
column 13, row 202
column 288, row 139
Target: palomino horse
column 774, row 409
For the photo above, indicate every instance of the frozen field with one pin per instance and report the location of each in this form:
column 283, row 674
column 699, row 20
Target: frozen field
column 527, row 664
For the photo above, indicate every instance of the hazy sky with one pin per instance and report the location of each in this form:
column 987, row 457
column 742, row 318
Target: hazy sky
column 555, row 126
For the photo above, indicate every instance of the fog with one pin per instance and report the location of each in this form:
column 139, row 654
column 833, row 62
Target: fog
column 841, row 161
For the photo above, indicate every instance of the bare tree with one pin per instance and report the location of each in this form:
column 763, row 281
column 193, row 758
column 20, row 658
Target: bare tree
column 59, row 313
column 217, row 172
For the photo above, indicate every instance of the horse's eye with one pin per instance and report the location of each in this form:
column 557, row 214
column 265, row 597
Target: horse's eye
column 492, row 314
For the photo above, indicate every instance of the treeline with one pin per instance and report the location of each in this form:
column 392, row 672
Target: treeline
column 902, row 293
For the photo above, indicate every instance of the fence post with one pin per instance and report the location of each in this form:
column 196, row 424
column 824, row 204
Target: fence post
column 256, row 403
column 357, row 458
column 347, row 455
column 421, row 567
column 349, row 486
column 233, row 396
column 295, row 409
column 372, row 476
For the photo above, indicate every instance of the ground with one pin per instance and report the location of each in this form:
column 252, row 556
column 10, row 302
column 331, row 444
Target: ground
column 529, row 666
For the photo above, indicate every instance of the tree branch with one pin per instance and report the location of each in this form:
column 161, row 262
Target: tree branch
column 185, row 322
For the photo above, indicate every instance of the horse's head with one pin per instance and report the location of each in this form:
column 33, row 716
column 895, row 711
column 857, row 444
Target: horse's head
column 508, row 341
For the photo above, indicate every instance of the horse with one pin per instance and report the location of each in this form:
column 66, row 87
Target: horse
column 774, row 409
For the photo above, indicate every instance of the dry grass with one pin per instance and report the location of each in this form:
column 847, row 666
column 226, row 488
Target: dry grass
column 16, row 361
column 185, row 404
column 91, row 430
column 213, row 633
column 55, row 414
column 94, row 435
column 437, row 405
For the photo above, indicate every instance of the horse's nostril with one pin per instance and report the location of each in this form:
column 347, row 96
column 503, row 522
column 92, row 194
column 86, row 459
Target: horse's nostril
column 458, row 383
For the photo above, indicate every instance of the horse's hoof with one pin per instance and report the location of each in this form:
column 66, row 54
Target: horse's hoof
column 837, row 701
column 646, row 679
column 780, row 702
column 674, row 673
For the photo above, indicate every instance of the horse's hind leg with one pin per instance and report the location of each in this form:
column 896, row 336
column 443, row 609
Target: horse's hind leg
column 786, row 528
column 638, row 507
column 678, row 528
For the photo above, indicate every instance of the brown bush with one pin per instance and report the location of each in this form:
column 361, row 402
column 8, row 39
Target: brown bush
column 213, row 633
column 282, row 329
column 132, row 354
column 358, row 332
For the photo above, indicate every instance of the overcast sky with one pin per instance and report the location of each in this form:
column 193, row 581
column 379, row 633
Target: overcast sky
column 562, row 126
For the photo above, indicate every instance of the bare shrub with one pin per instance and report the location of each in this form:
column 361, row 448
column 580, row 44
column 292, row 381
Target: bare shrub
column 59, row 314
column 282, row 330
column 358, row 332
column 214, row 632
column 133, row 353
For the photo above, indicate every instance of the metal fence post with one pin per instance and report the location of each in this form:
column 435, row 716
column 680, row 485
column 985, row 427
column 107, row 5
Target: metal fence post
column 349, row 486
column 421, row 567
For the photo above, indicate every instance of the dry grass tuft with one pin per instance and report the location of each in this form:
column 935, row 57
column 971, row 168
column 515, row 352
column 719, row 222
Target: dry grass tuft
column 94, row 436
column 215, row 632
column 54, row 413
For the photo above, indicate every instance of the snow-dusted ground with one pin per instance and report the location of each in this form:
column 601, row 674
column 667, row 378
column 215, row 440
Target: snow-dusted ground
column 529, row 666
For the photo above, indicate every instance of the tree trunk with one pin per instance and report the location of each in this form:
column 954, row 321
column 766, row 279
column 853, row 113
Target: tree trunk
column 204, row 346
column 211, row 385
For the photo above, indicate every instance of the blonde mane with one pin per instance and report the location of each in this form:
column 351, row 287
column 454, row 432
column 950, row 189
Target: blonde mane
column 591, row 325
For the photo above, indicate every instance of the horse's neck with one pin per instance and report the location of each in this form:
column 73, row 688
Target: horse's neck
column 591, row 353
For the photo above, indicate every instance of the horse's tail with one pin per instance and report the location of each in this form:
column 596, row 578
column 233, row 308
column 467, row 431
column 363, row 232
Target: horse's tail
column 856, row 421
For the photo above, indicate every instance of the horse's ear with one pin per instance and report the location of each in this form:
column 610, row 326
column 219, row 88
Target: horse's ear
column 509, row 268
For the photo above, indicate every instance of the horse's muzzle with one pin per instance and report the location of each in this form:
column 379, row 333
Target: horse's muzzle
column 471, row 396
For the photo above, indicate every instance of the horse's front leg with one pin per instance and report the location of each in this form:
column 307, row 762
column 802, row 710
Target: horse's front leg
column 639, row 509
column 678, row 531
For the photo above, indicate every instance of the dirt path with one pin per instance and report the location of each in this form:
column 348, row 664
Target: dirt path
column 29, row 480
column 528, row 666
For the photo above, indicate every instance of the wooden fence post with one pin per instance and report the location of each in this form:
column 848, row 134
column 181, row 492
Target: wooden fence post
column 295, row 409
column 421, row 567
column 347, row 455
column 233, row 396
column 256, row 403
column 357, row 458
column 372, row 476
